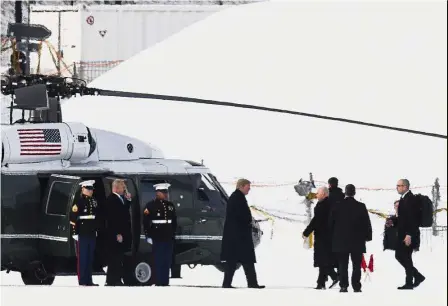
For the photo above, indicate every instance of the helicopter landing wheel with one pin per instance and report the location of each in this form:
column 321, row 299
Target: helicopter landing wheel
column 138, row 272
column 37, row 276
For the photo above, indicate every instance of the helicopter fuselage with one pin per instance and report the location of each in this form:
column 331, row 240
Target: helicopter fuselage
column 38, row 191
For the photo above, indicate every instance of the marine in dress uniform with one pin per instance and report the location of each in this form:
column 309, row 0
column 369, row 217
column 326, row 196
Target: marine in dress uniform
column 84, row 230
column 160, row 223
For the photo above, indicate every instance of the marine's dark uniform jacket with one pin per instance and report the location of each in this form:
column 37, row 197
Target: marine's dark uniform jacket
column 160, row 220
column 83, row 216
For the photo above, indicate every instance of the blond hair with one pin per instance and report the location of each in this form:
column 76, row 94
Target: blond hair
column 242, row 182
column 118, row 182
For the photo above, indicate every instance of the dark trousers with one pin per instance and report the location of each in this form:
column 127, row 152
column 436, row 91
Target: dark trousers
column 343, row 259
column 115, row 268
column 324, row 272
column 403, row 254
column 249, row 270
column 85, row 251
column 163, row 256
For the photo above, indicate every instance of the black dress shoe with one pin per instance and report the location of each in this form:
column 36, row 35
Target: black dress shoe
column 335, row 281
column 406, row 287
column 320, row 287
column 418, row 280
column 92, row 284
column 257, row 286
column 343, row 289
column 357, row 290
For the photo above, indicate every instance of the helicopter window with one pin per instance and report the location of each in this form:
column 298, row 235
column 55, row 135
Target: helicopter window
column 208, row 191
column 202, row 196
column 59, row 197
column 208, row 182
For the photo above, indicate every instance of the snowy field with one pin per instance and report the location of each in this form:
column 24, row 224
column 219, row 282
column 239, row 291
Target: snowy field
column 284, row 266
column 382, row 62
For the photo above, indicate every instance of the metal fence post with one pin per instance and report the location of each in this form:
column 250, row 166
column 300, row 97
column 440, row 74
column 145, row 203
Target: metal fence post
column 435, row 201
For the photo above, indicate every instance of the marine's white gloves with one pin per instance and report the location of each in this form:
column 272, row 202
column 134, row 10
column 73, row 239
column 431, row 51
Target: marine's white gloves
column 149, row 240
column 75, row 237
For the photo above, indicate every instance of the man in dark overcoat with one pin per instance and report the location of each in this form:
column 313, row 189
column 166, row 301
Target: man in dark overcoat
column 323, row 256
column 408, row 234
column 336, row 193
column 118, row 227
column 237, row 244
column 351, row 228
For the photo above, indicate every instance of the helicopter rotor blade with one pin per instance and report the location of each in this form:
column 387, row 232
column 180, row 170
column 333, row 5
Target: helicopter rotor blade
column 115, row 93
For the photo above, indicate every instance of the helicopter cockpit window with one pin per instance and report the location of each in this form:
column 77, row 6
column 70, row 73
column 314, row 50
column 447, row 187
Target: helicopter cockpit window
column 210, row 192
column 207, row 182
column 58, row 199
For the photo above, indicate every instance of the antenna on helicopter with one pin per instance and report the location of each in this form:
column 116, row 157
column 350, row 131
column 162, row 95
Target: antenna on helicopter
column 58, row 86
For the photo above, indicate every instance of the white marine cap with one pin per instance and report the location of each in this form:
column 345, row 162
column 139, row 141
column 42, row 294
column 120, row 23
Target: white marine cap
column 162, row 186
column 87, row 183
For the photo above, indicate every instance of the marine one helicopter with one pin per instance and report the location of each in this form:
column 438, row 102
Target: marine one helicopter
column 43, row 161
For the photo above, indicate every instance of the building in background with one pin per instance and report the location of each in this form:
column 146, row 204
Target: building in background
column 90, row 37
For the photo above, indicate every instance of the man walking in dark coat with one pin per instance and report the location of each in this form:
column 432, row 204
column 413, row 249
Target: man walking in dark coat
column 336, row 193
column 323, row 256
column 408, row 234
column 118, row 227
column 351, row 229
column 237, row 244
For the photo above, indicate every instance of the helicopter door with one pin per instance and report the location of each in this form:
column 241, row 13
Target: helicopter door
column 209, row 207
column 55, row 237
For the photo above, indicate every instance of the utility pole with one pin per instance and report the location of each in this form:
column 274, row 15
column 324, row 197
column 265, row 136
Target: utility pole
column 59, row 43
column 18, row 11
column 435, row 201
column 18, row 14
column 309, row 202
column 28, row 62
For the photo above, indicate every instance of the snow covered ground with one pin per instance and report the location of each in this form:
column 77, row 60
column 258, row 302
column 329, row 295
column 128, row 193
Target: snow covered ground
column 382, row 62
column 284, row 266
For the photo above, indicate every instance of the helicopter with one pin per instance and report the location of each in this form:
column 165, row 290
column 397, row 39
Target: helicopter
column 43, row 161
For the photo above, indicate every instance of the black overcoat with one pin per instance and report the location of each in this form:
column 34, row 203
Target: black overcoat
column 350, row 226
column 118, row 221
column 237, row 244
column 323, row 255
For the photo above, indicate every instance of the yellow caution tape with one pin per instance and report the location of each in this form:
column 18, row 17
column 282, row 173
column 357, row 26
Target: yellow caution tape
column 267, row 215
column 385, row 216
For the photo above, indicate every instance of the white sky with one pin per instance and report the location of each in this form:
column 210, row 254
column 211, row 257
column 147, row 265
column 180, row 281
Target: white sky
column 379, row 62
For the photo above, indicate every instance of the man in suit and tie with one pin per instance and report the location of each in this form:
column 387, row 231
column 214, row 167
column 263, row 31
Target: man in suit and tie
column 408, row 234
column 118, row 227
